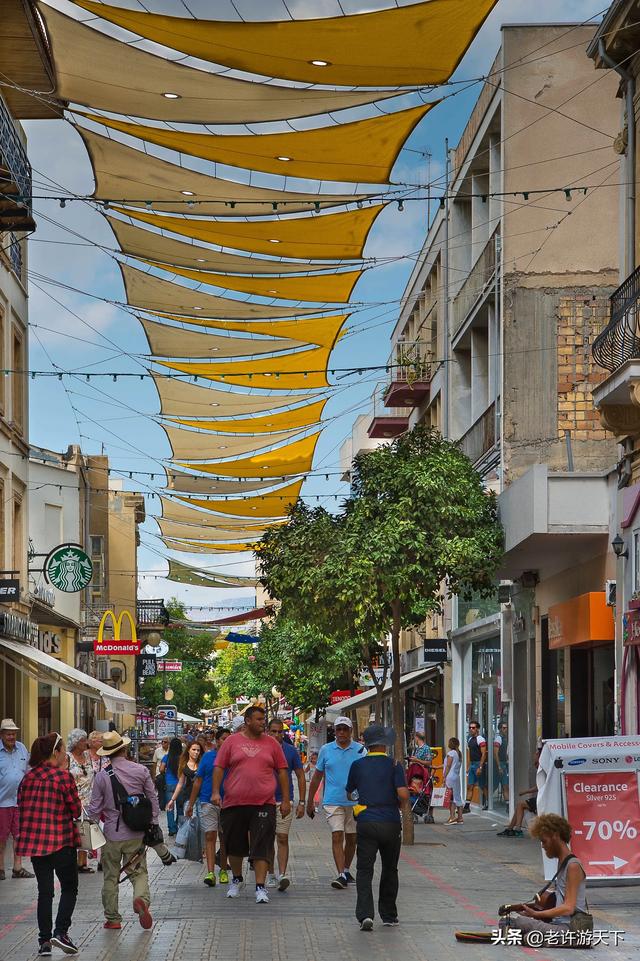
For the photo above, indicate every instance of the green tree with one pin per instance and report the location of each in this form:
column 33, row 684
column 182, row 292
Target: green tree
column 194, row 687
column 236, row 674
column 419, row 524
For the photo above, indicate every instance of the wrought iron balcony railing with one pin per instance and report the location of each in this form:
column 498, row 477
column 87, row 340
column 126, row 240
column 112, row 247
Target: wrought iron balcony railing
column 620, row 340
column 152, row 613
column 15, row 176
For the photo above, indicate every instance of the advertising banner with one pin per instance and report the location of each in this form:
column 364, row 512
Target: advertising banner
column 603, row 809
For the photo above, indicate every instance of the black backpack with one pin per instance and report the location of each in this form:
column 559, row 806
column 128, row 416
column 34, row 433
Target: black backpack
column 135, row 809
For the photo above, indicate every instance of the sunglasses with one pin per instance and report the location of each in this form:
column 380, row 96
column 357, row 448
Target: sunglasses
column 57, row 741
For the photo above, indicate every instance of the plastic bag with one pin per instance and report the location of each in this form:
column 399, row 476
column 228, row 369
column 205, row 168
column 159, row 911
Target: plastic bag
column 189, row 840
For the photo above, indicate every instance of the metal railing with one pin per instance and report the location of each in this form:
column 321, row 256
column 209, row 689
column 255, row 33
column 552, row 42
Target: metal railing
column 620, row 340
column 481, row 436
column 410, row 360
column 90, row 617
column 379, row 408
column 151, row 613
column 475, row 286
column 13, row 157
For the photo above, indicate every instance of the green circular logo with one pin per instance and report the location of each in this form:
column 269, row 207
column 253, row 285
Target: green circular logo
column 68, row 568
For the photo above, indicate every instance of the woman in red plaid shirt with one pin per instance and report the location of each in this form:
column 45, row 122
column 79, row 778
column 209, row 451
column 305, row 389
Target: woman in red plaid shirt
column 49, row 803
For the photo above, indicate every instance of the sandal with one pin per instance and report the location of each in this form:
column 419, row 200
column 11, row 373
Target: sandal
column 85, row 870
column 3, row 876
column 22, row 873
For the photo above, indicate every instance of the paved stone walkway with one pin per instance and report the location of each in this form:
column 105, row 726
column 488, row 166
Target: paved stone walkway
column 454, row 877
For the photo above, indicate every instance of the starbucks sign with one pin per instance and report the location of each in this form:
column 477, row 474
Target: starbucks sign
column 68, row 568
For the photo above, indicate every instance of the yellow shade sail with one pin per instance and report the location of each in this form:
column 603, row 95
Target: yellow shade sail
column 360, row 152
column 149, row 292
column 417, row 44
column 286, row 420
column 323, row 331
column 129, row 176
column 103, row 73
column 179, row 512
column 307, row 368
column 294, row 458
column 274, row 504
column 327, row 237
column 185, row 574
column 207, row 547
column 188, row 443
column 197, row 533
column 166, row 341
column 196, row 484
column 323, row 288
column 183, row 399
column 167, row 250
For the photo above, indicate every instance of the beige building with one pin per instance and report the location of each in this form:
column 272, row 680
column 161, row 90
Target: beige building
column 492, row 347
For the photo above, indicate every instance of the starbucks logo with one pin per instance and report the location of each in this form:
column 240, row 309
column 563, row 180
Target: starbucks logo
column 68, row 568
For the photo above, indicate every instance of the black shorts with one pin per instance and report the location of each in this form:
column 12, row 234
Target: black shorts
column 532, row 804
column 249, row 830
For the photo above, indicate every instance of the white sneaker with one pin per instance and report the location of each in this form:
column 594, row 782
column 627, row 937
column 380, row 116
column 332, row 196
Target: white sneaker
column 283, row 883
column 235, row 888
column 261, row 896
column 272, row 881
column 366, row 925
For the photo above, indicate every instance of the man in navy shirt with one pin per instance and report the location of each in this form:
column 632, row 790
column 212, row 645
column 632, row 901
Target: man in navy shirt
column 377, row 784
column 283, row 825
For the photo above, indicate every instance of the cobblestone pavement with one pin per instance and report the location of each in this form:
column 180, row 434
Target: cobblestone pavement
column 453, row 877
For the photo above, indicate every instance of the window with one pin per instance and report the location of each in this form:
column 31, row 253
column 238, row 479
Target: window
column 2, row 365
column 18, row 381
column 18, row 558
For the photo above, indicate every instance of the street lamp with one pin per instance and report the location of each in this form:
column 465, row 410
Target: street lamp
column 154, row 639
column 168, row 693
column 618, row 547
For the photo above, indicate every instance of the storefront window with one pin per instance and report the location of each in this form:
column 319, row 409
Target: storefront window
column 477, row 608
column 48, row 708
column 487, row 708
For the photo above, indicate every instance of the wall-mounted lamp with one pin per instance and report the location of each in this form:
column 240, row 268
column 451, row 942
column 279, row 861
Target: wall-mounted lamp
column 618, row 547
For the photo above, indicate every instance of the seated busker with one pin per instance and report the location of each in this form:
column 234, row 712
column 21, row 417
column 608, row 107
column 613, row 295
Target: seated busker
column 558, row 916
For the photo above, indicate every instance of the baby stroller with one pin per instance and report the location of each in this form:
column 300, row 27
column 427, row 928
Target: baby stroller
column 420, row 791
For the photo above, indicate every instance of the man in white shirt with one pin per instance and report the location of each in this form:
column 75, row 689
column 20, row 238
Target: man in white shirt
column 14, row 759
column 158, row 754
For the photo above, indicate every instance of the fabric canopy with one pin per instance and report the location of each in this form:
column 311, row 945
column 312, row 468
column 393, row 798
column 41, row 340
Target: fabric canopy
column 327, row 237
column 274, row 504
column 179, row 512
column 306, row 368
column 286, row 420
column 194, row 532
column 131, row 176
column 195, row 484
column 360, row 152
column 106, row 74
column 185, row 574
column 207, row 547
column 323, row 331
column 166, row 341
column 418, row 44
column 154, row 293
column 294, row 458
column 180, row 398
column 323, row 288
column 188, row 443
column 167, row 250
column 255, row 615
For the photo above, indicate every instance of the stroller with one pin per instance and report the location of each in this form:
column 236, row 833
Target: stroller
column 420, row 791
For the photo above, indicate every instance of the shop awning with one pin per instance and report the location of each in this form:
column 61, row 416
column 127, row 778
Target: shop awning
column 42, row 667
column 369, row 696
column 188, row 718
column 255, row 615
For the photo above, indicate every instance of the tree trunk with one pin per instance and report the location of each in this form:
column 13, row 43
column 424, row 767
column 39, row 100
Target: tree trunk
column 379, row 685
column 398, row 714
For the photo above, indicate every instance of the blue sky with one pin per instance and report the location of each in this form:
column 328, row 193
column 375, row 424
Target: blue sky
column 74, row 331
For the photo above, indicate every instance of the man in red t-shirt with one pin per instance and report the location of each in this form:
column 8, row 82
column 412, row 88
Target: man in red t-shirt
column 248, row 816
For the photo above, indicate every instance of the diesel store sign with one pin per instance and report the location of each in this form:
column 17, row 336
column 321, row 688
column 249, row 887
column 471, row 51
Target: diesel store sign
column 19, row 628
column 9, row 590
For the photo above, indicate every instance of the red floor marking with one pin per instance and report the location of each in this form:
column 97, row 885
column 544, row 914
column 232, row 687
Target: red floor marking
column 8, row 928
column 459, row 897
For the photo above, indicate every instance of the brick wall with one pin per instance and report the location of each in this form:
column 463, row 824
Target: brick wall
column 580, row 317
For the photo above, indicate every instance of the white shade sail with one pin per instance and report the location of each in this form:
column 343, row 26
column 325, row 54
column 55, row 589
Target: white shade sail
column 182, row 399
column 166, row 341
column 208, row 446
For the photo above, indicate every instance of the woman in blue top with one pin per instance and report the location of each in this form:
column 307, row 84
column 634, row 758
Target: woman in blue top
column 169, row 767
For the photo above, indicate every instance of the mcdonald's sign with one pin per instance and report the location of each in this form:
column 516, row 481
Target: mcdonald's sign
column 116, row 646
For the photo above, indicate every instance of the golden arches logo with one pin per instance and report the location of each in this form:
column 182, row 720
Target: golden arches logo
column 117, row 626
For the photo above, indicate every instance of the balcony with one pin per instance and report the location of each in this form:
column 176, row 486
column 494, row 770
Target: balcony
column 476, row 286
column 152, row 613
column 387, row 422
column 15, row 177
column 620, row 340
column 410, row 375
column 481, row 437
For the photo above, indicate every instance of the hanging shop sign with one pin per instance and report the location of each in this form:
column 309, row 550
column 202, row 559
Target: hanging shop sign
column 336, row 696
column 68, row 568
column 436, row 650
column 631, row 627
column 18, row 628
column 9, row 590
column 146, row 665
column 169, row 665
column 116, row 646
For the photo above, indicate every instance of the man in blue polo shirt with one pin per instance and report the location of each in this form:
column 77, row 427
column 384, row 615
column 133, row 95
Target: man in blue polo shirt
column 378, row 785
column 283, row 825
column 209, row 813
column 334, row 762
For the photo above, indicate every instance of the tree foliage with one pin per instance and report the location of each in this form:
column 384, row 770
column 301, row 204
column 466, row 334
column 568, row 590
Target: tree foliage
column 236, row 674
column 193, row 687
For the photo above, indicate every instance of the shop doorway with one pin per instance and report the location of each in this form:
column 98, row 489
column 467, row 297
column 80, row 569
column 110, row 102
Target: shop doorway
column 488, row 709
column 592, row 691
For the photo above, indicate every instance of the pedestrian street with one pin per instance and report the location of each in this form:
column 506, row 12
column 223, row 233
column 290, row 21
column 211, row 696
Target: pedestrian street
column 452, row 878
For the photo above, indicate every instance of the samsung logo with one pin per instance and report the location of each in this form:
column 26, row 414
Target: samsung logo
column 577, row 760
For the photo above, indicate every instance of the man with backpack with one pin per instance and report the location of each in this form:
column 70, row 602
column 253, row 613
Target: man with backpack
column 125, row 799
